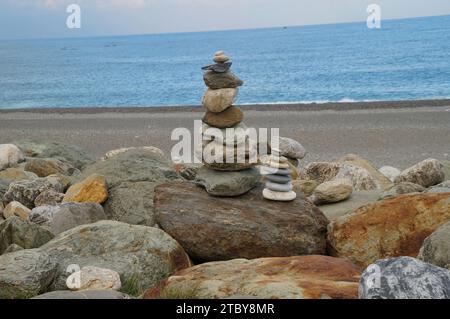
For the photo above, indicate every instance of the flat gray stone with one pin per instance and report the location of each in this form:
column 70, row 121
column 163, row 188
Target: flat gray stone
column 283, row 179
column 279, row 187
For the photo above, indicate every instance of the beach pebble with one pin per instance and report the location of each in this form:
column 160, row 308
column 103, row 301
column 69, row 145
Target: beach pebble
column 390, row 172
column 10, row 155
column 426, row 173
column 219, row 100
column 291, row 148
column 264, row 170
column 332, row 192
column 226, row 80
column 283, row 179
column 221, row 58
column 276, row 165
column 226, row 119
column 279, row 196
column 16, row 209
column 276, row 187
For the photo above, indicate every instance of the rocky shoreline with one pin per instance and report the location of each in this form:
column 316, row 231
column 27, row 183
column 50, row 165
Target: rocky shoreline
column 135, row 225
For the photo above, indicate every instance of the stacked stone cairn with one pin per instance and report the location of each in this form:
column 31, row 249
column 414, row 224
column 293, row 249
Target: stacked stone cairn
column 278, row 185
column 239, row 152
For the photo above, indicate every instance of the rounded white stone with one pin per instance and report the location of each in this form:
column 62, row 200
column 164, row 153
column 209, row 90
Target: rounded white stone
column 279, row 196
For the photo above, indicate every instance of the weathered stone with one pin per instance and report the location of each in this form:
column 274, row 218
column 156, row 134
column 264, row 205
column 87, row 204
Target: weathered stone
column 446, row 168
column 94, row 278
column 226, row 80
column 356, row 160
column 242, row 227
column 12, row 248
column 304, row 187
column 404, row 278
column 401, row 188
column 302, row 277
column 390, row 172
column 25, row 274
column 218, row 100
column 291, row 148
column 150, row 149
column 187, row 171
column 227, row 183
column 49, row 197
column 85, row 294
column 276, row 187
column 22, row 233
column 279, row 196
column 132, row 203
column 16, row 209
column 443, row 187
column 361, row 179
column 66, row 216
column 13, row 174
column 426, row 173
column 436, row 247
column 25, row 192
column 332, row 192
column 389, row 228
column 10, row 155
column 320, row 171
column 228, row 118
column 281, row 179
column 43, row 167
column 60, row 182
column 93, row 189
column 69, row 153
column 140, row 254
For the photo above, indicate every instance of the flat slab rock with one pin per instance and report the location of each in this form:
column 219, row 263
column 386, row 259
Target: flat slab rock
column 300, row 277
column 212, row 228
column 85, row 294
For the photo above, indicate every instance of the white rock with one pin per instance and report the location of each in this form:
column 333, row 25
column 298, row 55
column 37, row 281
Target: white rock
column 332, row 192
column 10, row 155
column 279, row 196
column 94, row 278
column 390, row 172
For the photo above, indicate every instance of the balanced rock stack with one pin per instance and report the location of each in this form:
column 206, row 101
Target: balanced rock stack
column 239, row 152
column 278, row 178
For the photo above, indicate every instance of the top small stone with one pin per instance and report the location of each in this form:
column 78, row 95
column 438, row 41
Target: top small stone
column 221, row 58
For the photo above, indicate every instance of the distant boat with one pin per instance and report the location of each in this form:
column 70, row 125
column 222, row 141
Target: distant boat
column 285, row 28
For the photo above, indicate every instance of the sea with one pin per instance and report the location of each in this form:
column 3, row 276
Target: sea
column 406, row 59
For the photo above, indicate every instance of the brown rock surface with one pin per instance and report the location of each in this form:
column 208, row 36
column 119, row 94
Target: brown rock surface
column 300, row 277
column 389, row 228
column 248, row 226
column 228, row 118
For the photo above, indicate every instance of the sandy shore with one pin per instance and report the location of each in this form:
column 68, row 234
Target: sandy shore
column 387, row 133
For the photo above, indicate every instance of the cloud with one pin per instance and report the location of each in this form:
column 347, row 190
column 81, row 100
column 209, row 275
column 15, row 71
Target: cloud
column 98, row 3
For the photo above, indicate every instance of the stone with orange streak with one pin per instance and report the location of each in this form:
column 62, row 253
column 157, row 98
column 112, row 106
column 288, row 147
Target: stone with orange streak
column 388, row 228
column 299, row 277
column 91, row 190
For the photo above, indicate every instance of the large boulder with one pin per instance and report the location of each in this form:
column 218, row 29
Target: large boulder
column 388, row 228
column 361, row 178
column 332, row 192
column 225, row 184
column 426, row 173
column 62, row 217
column 10, row 155
column 390, row 172
column 25, row 274
column 219, row 228
column 22, row 233
column 132, row 203
column 69, row 153
column 26, row 191
column 436, row 247
column 404, row 278
column 84, row 294
column 93, row 189
column 356, row 160
column 43, row 167
column 141, row 255
column 301, row 277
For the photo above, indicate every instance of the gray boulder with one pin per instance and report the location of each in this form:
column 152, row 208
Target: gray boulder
column 436, row 247
column 66, row 216
column 404, row 278
column 227, row 184
column 443, row 187
column 26, row 191
column 22, row 233
column 140, row 254
column 25, row 274
column 85, row 294
column 70, row 153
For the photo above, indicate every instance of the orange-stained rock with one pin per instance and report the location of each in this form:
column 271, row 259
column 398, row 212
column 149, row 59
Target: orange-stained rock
column 389, row 228
column 300, row 277
column 91, row 190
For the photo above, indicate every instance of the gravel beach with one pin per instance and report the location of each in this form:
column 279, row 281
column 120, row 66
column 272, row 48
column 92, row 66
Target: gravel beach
column 387, row 133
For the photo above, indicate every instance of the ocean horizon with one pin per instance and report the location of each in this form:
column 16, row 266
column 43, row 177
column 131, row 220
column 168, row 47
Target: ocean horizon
column 406, row 59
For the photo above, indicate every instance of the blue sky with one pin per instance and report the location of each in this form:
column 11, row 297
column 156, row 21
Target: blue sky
column 47, row 18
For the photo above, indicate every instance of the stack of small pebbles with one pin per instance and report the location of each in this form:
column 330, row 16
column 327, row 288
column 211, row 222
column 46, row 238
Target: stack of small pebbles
column 278, row 178
column 222, row 115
